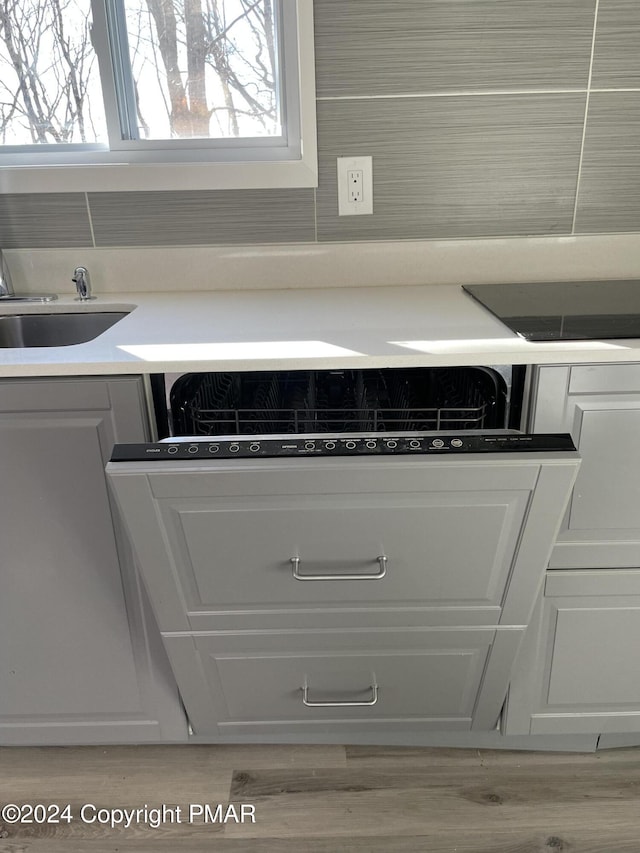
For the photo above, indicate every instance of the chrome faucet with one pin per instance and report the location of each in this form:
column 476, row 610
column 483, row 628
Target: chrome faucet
column 83, row 285
column 6, row 285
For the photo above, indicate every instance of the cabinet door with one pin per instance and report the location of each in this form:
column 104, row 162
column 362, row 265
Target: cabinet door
column 578, row 671
column 80, row 660
column 600, row 406
column 220, row 540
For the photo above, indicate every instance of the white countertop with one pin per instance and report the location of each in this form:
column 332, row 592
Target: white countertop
column 400, row 326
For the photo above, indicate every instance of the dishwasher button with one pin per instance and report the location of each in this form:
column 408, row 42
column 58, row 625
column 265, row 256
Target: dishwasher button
column 193, row 448
column 214, row 448
column 372, row 444
column 309, row 445
column 254, row 447
column 350, row 445
column 329, row 445
column 391, row 443
column 234, row 448
column 414, row 444
column 456, row 442
column 437, row 442
column 173, row 448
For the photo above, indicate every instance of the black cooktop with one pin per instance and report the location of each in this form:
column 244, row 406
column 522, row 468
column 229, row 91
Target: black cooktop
column 564, row 310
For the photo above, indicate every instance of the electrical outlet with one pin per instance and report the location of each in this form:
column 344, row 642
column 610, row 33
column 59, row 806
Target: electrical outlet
column 355, row 186
column 354, row 177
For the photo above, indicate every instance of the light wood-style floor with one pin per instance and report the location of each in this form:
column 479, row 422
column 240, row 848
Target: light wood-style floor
column 331, row 799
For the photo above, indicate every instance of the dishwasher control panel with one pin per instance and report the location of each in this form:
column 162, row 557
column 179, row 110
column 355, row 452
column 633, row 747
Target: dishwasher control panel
column 344, row 444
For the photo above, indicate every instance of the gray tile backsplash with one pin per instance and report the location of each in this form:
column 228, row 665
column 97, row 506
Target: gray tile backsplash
column 44, row 220
column 616, row 59
column 474, row 112
column 609, row 197
column 204, row 217
column 373, row 47
column 470, row 166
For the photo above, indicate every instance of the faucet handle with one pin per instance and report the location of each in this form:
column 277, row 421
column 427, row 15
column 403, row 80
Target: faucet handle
column 83, row 285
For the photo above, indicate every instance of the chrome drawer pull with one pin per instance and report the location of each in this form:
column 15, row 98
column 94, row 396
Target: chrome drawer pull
column 382, row 562
column 347, row 704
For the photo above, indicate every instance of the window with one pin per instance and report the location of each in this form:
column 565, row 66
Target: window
column 156, row 94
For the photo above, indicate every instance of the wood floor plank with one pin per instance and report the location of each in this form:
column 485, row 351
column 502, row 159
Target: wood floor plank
column 565, row 783
column 46, row 759
column 376, row 756
column 113, row 775
column 413, row 812
column 624, row 840
column 273, row 755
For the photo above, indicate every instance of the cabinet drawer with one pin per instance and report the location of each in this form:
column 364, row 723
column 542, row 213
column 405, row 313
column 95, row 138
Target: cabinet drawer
column 604, row 378
column 55, row 395
column 429, row 550
column 314, row 678
column 220, row 539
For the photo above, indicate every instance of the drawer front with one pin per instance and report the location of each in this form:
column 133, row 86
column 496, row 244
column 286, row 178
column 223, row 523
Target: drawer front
column 436, row 550
column 56, row 395
column 604, row 378
column 311, row 678
column 224, row 538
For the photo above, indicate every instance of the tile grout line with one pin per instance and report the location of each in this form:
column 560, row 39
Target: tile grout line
column 315, row 189
column 93, row 236
column 586, row 114
column 454, row 94
column 315, row 213
column 475, row 94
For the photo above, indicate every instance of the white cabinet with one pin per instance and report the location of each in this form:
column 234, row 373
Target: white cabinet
column 80, row 656
column 599, row 404
column 579, row 671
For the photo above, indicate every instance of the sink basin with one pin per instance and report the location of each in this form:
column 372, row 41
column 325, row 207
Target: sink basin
column 55, row 330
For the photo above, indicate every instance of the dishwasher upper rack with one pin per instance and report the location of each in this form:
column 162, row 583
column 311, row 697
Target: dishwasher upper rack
column 338, row 401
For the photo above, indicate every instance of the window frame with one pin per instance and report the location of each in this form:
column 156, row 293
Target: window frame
column 150, row 166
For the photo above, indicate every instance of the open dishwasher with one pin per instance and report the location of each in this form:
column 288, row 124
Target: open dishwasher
column 344, row 555
column 340, row 412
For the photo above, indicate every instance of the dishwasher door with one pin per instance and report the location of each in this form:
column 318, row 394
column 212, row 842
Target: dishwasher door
column 299, row 589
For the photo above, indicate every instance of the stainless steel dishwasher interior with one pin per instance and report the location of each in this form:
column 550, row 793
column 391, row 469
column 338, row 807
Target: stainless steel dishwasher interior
column 55, row 330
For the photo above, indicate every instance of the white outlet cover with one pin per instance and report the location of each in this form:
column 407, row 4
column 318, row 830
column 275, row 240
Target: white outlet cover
column 359, row 208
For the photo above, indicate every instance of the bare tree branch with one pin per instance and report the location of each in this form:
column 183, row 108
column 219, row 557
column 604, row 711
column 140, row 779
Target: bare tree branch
column 50, row 67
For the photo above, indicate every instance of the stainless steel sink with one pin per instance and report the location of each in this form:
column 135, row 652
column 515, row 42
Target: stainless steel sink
column 55, row 330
